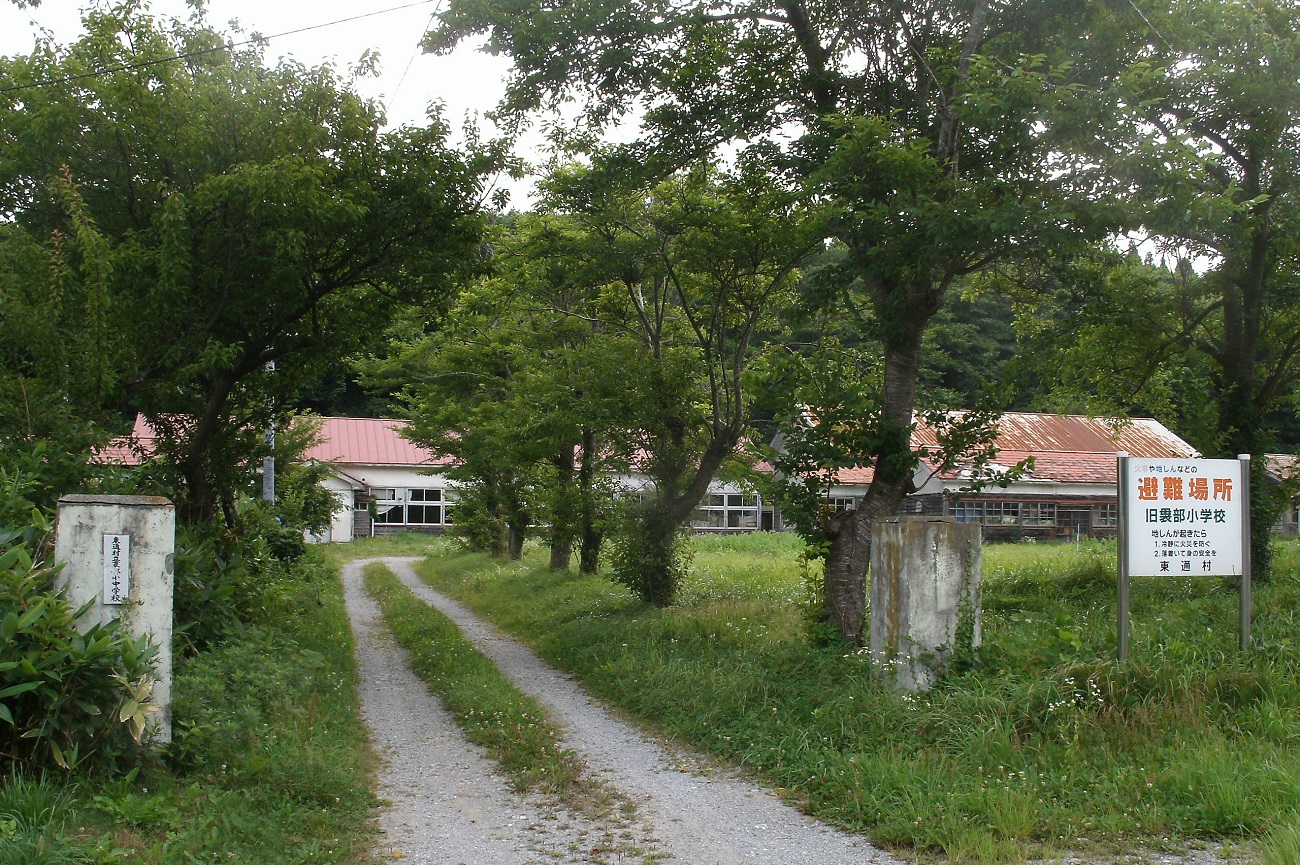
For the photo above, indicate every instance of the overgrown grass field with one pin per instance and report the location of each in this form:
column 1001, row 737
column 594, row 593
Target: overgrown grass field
column 270, row 764
column 1041, row 743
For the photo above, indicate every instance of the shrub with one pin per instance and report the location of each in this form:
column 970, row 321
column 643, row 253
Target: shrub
column 479, row 526
column 226, row 583
column 205, row 606
column 649, row 554
column 64, row 693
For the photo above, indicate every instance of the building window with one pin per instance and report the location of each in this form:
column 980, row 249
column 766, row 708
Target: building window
column 390, row 513
column 1001, row 513
column 1105, row 517
column 966, row 512
column 726, row 511
column 843, row 504
column 424, row 507
column 411, row 507
column 1038, row 513
column 424, row 515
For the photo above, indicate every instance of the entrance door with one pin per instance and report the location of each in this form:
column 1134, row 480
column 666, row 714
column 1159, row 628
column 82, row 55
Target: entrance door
column 1073, row 523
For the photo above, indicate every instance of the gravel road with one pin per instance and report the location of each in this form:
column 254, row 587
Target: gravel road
column 448, row 806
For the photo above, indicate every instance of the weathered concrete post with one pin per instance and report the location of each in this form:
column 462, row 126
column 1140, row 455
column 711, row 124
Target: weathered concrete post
column 118, row 552
column 925, row 578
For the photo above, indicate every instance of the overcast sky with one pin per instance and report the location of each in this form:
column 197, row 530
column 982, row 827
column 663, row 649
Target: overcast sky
column 468, row 81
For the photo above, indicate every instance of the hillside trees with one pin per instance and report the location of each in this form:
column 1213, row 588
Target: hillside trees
column 1221, row 178
column 921, row 124
column 232, row 214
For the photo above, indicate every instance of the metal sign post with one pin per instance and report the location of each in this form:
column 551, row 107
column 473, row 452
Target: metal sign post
column 1184, row 517
column 1244, row 614
column 1122, row 542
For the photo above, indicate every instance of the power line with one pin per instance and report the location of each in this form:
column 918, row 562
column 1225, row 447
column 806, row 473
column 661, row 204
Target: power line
column 143, row 64
column 411, row 60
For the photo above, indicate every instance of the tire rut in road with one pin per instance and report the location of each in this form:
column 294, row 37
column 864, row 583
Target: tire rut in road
column 445, row 802
column 699, row 819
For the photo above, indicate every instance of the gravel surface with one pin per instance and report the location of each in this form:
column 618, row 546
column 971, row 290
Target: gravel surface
column 445, row 803
column 449, row 806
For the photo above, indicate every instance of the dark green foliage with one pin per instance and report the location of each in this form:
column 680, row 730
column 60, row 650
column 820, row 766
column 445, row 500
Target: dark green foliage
column 61, row 685
column 284, row 543
column 968, row 344
column 254, row 213
column 225, row 582
column 207, row 591
column 649, row 553
column 302, row 502
column 481, row 513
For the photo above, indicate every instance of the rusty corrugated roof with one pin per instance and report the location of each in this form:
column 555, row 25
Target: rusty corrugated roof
column 1058, row 433
column 1066, row 448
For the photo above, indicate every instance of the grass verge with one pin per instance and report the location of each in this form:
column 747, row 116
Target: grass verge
column 1040, row 743
column 270, row 764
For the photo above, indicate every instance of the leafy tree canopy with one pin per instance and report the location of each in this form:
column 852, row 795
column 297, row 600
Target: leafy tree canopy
column 1197, row 139
column 204, row 214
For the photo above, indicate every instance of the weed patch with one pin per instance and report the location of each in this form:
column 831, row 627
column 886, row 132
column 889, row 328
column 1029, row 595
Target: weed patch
column 269, row 763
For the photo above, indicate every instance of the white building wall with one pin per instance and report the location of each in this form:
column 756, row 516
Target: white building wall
column 340, row 530
column 365, row 478
column 399, row 477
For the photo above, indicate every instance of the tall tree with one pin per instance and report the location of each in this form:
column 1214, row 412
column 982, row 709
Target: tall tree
column 58, row 362
column 700, row 262
column 569, row 397
column 252, row 214
column 1208, row 155
column 921, row 123
column 510, row 384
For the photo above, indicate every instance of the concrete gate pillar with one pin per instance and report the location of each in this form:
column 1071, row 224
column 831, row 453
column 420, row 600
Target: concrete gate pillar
column 925, row 578
column 118, row 552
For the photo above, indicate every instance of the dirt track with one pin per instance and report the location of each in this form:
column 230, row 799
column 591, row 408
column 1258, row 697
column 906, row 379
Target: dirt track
column 449, row 807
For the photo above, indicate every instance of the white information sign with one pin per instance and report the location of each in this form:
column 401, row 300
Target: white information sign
column 117, row 568
column 1183, row 517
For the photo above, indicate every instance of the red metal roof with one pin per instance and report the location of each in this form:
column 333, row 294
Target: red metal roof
column 132, row 450
column 343, row 440
column 369, row 441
